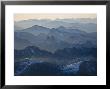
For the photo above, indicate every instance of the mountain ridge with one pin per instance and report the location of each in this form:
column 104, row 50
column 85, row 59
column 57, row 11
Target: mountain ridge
column 83, row 25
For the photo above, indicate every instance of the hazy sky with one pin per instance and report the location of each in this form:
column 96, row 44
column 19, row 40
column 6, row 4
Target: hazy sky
column 18, row 17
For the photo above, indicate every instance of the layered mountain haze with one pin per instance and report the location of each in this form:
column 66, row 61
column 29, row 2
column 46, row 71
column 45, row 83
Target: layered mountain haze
column 55, row 47
column 52, row 39
column 87, row 24
column 35, row 30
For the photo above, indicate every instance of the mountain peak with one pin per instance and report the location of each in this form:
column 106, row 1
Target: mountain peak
column 61, row 27
column 37, row 26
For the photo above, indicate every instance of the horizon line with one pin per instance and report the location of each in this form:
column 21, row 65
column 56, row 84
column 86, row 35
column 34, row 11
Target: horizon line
column 54, row 19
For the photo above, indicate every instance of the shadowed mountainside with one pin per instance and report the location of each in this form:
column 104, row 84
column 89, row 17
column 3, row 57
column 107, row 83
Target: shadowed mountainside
column 53, row 39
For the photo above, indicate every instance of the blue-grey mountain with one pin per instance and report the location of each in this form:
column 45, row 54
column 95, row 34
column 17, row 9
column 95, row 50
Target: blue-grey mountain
column 61, row 47
column 53, row 39
column 88, row 25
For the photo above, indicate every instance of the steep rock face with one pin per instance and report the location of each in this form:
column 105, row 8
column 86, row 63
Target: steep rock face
column 88, row 68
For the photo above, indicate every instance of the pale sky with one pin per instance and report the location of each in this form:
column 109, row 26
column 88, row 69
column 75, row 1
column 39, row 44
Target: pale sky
column 18, row 17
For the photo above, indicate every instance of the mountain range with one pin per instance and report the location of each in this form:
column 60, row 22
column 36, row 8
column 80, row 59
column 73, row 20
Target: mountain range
column 53, row 39
column 88, row 25
column 32, row 61
column 55, row 47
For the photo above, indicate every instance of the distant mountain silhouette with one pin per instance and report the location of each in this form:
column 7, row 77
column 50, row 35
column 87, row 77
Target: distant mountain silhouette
column 53, row 39
column 88, row 25
column 35, row 30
